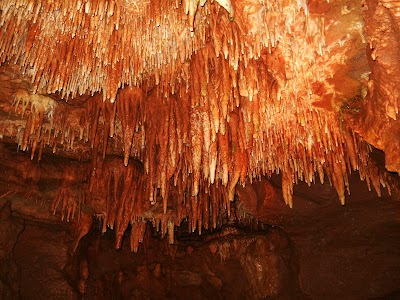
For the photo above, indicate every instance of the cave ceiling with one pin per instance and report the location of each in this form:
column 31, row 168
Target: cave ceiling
column 169, row 105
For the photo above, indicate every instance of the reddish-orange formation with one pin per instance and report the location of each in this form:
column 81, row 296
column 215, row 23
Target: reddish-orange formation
column 380, row 123
column 206, row 95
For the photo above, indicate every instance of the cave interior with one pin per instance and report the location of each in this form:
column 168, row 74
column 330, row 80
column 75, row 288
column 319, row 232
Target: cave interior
column 199, row 149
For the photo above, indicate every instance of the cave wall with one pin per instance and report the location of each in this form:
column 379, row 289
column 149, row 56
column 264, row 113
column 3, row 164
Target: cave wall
column 344, row 252
column 37, row 263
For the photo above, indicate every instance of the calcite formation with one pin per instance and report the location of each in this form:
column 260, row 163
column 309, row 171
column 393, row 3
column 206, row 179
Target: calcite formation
column 198, row 97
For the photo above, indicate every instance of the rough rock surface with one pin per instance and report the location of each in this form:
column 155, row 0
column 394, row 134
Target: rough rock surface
column 10, row 229
column 345, row 252
column 231, row 264
column 42, row 254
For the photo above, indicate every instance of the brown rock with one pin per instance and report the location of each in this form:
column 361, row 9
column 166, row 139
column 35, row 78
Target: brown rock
column 10, row 230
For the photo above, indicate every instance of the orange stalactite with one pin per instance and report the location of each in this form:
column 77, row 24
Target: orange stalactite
column 128, row 107
column 196, row 148
column 68, row 197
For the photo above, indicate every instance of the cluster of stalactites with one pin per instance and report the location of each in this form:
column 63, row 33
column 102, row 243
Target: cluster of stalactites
column 47, row 123
column 196, row 146
column 237, row 109
column 118, row 195
column 35, row 108
column 103, row 45
column 228, row 125
column 70, row 196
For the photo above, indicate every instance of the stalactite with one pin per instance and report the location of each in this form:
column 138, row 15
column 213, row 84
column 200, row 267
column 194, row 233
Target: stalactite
column 196, row 146
column 68, row 196
column 287, row 188
column 128, row 105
